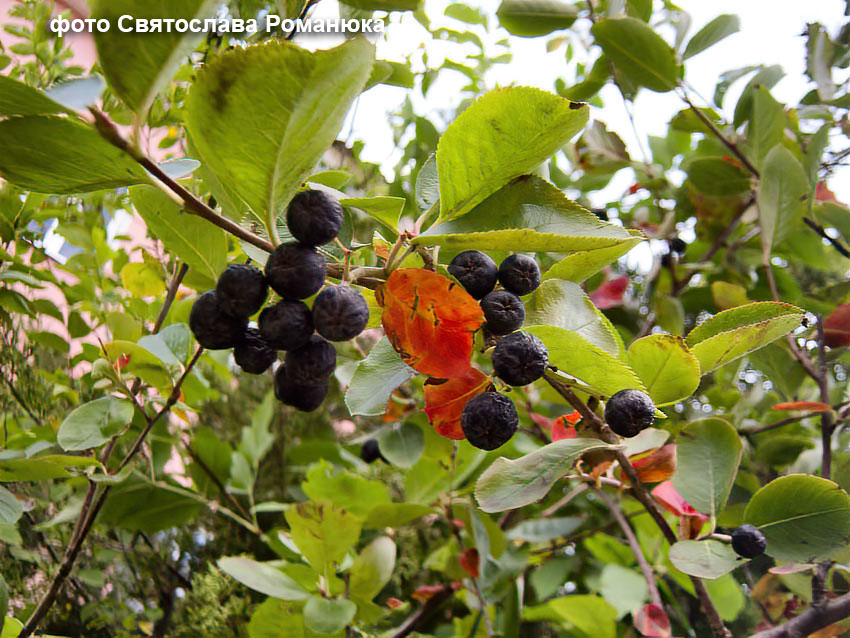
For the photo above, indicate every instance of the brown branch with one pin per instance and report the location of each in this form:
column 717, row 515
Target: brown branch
column 424, row 613
column 719, row 135
column 814, row 618
column 170, row 296
column 21, row 401
column 826, row 418
column 841, row 248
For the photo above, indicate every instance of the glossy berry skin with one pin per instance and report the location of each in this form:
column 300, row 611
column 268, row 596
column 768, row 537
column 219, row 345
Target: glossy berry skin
column 519, row 274
column 503, row 312
column 314, row 217
column 295, row 271
column 629, row 412
column 286, row 325
column 748, row 541
column 311, row 364
column 520, row 359
column 213, row 328
column 303, row 397
column 340, row 313
column 475, row 271
column 489, row 420
column 370, row 452
column 253, row 354
column 241, row 290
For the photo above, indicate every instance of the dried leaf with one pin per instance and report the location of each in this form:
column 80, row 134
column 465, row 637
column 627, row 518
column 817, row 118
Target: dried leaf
column 655, row 466
column 808, row 406
column 652, row 620
column 444, row 403
column 469, row 560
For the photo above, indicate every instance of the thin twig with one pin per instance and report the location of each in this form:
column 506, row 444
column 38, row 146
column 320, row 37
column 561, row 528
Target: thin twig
column 820, row 230
column 826, row 418
column 21, row 401
column 814, row 618
column 576, row 491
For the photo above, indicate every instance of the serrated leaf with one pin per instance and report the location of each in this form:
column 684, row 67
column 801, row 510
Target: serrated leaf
column 94, row 423
column 720, row 27
column 586, row 263
column 666, row 366
column 386, row 210
column 323, row 533
column 356, row 494
column 639, row 52
column 375, row 378
column 402, row 446
column 704, row 559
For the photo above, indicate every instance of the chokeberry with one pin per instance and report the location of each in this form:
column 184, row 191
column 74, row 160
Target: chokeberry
column 489, row 420
column 370, row 452
column 503, row 312
column 312, row 363
column 212, row 326
column 678, row 245
column 303, row 397
column 520, row 359
column 629, row 412
column 519, row 274
column 295, row 271
column 252, row 353
column 475, row 271
column 666, row 260
column 286, row 325
column 748, row 541
column 340, row 313
column 241, row 290
column 314, row 217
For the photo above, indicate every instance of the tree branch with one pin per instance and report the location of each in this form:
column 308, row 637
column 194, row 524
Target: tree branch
column 841, row 248
column 814, row 618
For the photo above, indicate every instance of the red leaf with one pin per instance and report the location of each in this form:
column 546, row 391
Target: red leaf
column 691, row 521
column 424, row 592
column 836, row 327
column 655, row 466
column 469, row 560
column 823, row 194
column 562, row 427
column 610, row 294
column 122, row 361
column 444, row 403
column 810, row 406
column 429, row 320
column 652, row 620
column 394, row 603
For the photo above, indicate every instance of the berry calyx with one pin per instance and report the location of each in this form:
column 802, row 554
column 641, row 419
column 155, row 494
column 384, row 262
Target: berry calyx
column 241, row 290
column 371, row 452
column 286, row 325
column 340, row 313
column 312, row 363
column 252, row 353
column 212, row 326
column 519, row 274
column 748, row 541
column 475, row 271
column 303, row 397
column 503, row 312
column 629, row 412
column 520, row 359
column 314, row 217
column 295, row 271
column 489, row 420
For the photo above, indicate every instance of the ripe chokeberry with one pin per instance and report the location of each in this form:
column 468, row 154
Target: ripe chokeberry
column 241, row 290
column 253, row 354
column 340, row 313
column 519, row 274
column 503, row 312
column 748, row 541
column 286, row 325
column 312, row 363
column 629, row 412
column 371, row 452
column 489, row 420
column 212, row 326
column 314, row 217
column 678, row 245
column 295, row 271
column 475, row 271
column 520, row 359
column 303, row 397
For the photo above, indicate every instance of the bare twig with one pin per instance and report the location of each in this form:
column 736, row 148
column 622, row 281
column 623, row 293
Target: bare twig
column 820, row 230
column 424, row 613
column 826, row 418
column 21, row 401
column 814, row 618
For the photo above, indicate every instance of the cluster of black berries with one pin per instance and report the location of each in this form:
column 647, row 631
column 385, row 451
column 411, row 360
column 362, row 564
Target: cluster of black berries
column 490, row 419
column 295, row 271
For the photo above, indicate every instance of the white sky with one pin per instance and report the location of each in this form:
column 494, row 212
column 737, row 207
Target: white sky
column 770, row 34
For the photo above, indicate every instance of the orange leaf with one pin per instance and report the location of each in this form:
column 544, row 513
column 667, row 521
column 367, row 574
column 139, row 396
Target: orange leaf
column 562, row 427
column 652, row 620
column 424, row 592
column 811, row 406
column 429, row 320
column 656, row 466
column 444, row 402
column 394, row 603
column 469, row 561
column 836, row 327
column 690, row 520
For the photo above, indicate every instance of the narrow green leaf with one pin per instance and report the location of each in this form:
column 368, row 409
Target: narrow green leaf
column 639, row 52
column 766, row 127
column 704, row 559
column 543, row 530
column 721, row 27
column 782, row 192
column 666, row 366
column 262, row 578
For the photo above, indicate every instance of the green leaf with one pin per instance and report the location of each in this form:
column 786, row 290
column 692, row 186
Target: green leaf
column 428, row 184
column 717, row 177
column 139, row 362
column 386, row 210
column 708, row 454
column 766, row 127
column 354, row 493
column 373, row 568
column 504, row 134
column 704, row 559
column 50, row 154
column 592, row 616
column 11, row 628
column 275, row 618
column 721, row 27
column 140, row 506
column 16, row 98
column 585, row 263
column 465, row 13
column 395, row 515
column 43, row 467
column 639, row 52
column 403, row 446
column 139, row 66
column 782, row 196
column 805, row 519
column 573, row 355
column 261, row 118
column 10, row 508
column 94, row 423
column 766, row 77
column 564, row 304
column 385, row 5
column 733, row 333
column 262, row 578
column 623, row 588
column 509, row 484
column 375, row 378
column 328, row 615
column 666, row 366
column 142, row 280
column 195, row 241
column 529, row 18
column 322, row 533
column 215, row 454
column 529, row 214
column 543, row 530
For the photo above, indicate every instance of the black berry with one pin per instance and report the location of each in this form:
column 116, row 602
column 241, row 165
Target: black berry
column 314, row 217
column 340, row 313
column 520, row 359
column 213, row 328
column 489, row 420
column 475, row 271
column 286, row 325
column 304, row 397
column 629, row 412
column 503, row 312
column 519, row 274
column 252, row 353
column 295, row 271
column 666, row 260
column 241, row 290
column 312, row 363
column 748, row 541
column 370, row 452
column 678, row 245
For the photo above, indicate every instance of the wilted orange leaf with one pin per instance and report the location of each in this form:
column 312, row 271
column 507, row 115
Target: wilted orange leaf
column 836, row 327
column 394, row 603
column 429, row 320
column 444, row 402
column 690, row 521
column 562, row 427
column 652, row 620
column 424, row 592
column 809, row 406
column 655, row 466
column 469, row 561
